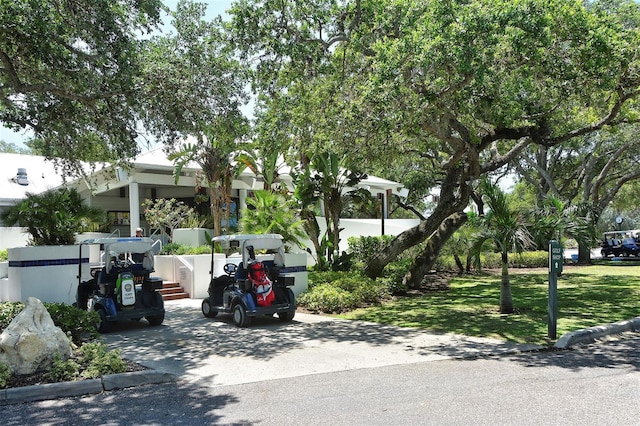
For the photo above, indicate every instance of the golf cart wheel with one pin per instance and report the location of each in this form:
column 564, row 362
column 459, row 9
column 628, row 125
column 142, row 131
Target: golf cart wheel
column 207, row 310
column 240, row 317
column 286, row 316
column 104, row 326
column 155, row 319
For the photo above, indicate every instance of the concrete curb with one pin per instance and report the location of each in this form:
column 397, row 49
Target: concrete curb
column 83, row 387
column 589, row 335
column 127, row 380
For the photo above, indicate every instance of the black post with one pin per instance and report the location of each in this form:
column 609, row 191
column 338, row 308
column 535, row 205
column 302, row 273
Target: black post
column 555, row 268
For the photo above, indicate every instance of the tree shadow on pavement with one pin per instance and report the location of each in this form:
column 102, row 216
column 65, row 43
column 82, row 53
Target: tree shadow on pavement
column 187, row 339
column 163, row 404
column 620, row 352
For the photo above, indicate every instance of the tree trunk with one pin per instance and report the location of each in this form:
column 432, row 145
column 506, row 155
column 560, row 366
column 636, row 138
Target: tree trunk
column 313, row 231
column 217, row 200
column 423, row 263
column 459, row 264
column 506, row 299
column 584, row 254
column 454, row 197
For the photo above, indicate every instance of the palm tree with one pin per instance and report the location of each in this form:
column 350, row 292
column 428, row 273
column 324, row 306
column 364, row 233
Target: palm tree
column 53, row 217
column 265, row 161
column 213, row 152
column 331, row 179
column 554, row 220
column 505, row 229
column 271, row 213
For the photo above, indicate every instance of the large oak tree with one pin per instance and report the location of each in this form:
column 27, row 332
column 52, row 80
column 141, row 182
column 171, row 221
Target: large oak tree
column 465, row 85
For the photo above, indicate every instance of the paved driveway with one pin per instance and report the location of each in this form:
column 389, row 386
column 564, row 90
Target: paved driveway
column 214, row 352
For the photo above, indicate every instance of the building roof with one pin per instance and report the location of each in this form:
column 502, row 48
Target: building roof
column 150, row 165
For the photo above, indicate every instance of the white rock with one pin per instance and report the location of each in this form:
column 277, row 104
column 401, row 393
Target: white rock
column 31, row 340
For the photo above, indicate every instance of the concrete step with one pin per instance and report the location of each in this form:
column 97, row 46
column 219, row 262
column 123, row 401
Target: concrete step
column 172, row 291
column 175, row 296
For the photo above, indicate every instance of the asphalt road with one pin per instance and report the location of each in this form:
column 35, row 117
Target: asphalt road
column 597, row 384
column 317, row 371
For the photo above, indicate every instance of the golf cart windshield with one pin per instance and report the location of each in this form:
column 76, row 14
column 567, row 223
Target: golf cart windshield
column 135, row 250
column 246, row 244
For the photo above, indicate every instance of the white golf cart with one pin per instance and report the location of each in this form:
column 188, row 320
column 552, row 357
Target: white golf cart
column 253, row 284
column 120, row 287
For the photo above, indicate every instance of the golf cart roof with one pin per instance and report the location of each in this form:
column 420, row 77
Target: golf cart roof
column 123, row 245
column 244, row 237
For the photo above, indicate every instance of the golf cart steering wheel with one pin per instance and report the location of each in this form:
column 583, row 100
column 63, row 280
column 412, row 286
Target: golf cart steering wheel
column 229, row 269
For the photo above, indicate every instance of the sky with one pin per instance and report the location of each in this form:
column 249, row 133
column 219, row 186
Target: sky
column 214, row 8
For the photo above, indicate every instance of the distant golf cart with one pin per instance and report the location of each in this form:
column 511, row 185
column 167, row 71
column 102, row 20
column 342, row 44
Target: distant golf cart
column 619, row 243
column 121, row 288
column 251, row 287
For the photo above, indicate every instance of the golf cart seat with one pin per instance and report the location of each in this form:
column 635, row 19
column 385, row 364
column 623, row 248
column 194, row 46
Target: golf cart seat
column 241, row 272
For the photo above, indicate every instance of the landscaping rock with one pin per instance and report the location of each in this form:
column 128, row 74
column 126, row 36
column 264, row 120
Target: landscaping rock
column 31, row 340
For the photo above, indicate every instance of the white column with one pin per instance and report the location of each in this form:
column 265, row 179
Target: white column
column 242, row 195
column 385, row 203
column 134, row 207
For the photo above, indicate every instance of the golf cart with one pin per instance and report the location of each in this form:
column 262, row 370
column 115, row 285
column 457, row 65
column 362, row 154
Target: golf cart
column 618, row 243
column 253, row 283
column 120, row 287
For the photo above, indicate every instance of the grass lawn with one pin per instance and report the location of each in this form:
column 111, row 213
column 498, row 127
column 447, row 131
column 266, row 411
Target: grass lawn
column 587, row 296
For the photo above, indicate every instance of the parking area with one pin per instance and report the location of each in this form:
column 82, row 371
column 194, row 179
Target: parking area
column 214, row 352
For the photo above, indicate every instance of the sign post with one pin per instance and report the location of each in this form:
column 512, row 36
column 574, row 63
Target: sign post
column 556, row 258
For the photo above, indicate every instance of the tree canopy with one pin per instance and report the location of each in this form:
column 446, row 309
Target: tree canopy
column 465, row 86
column 68, row 72
column 443, row 93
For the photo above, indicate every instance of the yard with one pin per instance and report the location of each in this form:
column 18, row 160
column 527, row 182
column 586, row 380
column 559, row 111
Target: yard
column 587, row 296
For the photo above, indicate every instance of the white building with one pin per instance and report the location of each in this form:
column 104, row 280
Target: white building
column 121, row 193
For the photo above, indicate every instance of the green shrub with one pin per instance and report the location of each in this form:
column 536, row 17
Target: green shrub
column 341, row 291
column 363, row 248
column 393, row 274
column 490, row 260
column 98, row 361
column 77, row 323
column 529, row 259
column 62, row 370
column 447, row 263
column 8, row 311
column 205, row 249
column 327, row 298
column 5, row 373
column 323, row 277
column 173, row 248
column 4, row 255
column 182, row 249
column 92, row 359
